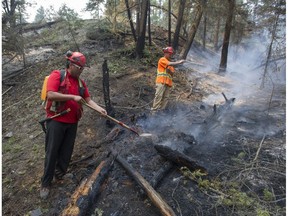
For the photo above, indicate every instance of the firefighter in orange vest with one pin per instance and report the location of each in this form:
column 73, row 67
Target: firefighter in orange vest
column 165, row 72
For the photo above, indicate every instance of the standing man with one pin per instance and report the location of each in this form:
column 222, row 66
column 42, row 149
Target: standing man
column 63, row 93
column 165, row 72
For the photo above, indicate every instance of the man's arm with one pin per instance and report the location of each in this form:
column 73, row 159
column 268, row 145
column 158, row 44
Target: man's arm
column 57, row 96
column 176, row 62
column 96, row 106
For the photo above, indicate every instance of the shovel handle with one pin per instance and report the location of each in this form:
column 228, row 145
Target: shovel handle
column 59, row 114
column 49, row 118
column 111, row 118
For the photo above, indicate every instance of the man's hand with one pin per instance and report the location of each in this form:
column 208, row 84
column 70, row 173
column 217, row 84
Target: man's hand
column 78, row 99
column 103, row 111
column 181, row 61
column 94, row 106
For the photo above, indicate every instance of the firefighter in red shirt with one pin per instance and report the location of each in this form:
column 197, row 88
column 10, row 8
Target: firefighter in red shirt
column 61, row 131
column 164, row 77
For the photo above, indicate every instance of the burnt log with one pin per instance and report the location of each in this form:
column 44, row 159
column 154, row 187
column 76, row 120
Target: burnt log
column 84, row 196
column 178, row 158
column 155, row 197
column 167, row 166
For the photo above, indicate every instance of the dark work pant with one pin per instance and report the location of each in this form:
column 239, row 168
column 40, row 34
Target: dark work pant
column 59, row 144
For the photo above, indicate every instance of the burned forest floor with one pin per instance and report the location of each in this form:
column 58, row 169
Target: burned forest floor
column 222, row 122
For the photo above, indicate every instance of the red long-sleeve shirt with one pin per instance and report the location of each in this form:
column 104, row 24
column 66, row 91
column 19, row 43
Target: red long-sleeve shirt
column 71, row 86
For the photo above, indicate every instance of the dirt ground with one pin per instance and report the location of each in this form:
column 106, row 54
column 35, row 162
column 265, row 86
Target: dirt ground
column 242, row 146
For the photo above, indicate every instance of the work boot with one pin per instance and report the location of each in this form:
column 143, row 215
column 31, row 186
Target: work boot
column 44, row 192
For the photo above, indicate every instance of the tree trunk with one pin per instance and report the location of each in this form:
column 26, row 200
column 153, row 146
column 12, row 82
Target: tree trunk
column 141, row 39
column 181, row 9
column 269, row 52
column 130, row 20
column 216, row 36
column 10, row 12
column 192, row 32
column 149, row 23
column 226, row 40
column 204, row 31
column 106, row 92
column 169, row 22
column 138, row 12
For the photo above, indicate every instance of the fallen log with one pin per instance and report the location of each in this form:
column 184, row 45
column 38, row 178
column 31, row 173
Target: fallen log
column 164, row 208
column 167, row 166
column 82, row 159
column 83, row 197
column 178, row 158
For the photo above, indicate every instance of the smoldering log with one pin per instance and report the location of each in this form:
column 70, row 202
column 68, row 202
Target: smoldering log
column 155, row 197
column 178, row 158
column 168, row 165
column 86, row 193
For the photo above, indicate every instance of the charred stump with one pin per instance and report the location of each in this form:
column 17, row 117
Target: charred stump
column 213, row 121
column 220, row 111
column 84, row 196
column 106, row 92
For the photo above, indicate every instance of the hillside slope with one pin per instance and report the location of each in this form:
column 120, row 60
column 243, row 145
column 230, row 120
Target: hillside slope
column 243, row 149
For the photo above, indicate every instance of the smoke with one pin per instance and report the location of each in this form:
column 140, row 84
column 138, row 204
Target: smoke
column 240, row 118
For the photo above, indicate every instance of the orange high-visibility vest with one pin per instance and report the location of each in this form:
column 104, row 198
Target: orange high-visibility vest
column 162, row 75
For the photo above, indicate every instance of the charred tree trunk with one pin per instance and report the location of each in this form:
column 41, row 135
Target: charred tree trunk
column 181, row 9
column 165, row 209
column 178, row 158
column 169, row 22
column 106, row 92
column 130, row 20
column 149, row 24
column 192, row 32
column 141, row 38
column 84, row 196
column 226, row 40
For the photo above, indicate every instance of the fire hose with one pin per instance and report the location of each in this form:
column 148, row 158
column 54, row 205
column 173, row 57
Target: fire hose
column 110, row 118
column 42, row 122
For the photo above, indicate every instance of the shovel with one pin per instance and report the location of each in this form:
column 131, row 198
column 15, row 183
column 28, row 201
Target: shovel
column 52, row 117
column 111, row 118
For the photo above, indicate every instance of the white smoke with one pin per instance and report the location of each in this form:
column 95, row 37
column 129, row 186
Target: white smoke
column 241, row 81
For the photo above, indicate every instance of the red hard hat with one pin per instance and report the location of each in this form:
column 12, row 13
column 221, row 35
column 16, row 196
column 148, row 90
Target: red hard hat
column 77, row 58
column 168, row 50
